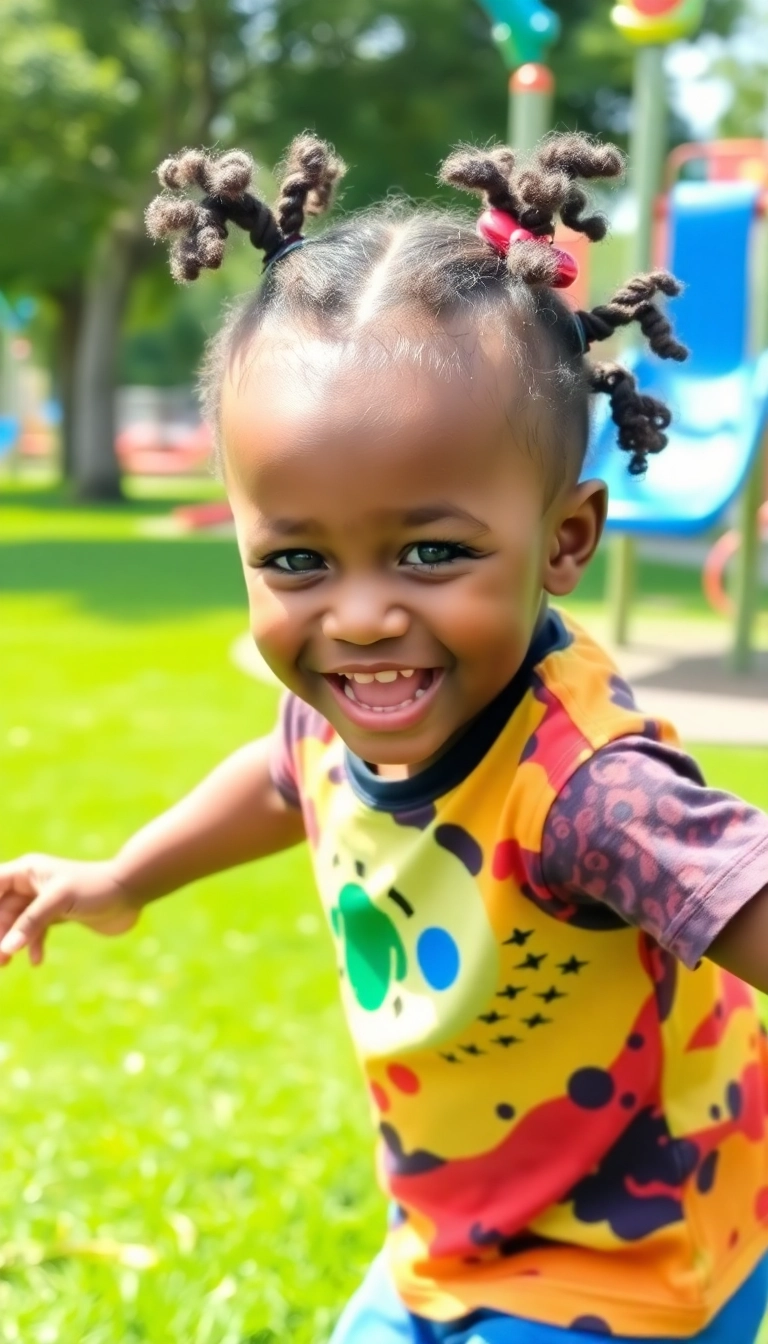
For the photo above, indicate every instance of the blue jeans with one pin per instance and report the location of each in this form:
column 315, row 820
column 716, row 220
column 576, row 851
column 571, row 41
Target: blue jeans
column 376, row 1315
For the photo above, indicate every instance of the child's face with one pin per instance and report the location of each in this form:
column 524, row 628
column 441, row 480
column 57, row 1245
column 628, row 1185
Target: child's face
column 397, row 535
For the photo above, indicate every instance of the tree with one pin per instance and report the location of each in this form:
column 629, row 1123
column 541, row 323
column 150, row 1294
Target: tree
column 745, row 67
column 54, row 94
column 96, row 95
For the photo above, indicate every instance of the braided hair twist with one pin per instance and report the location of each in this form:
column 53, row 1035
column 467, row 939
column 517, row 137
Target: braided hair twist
column 198, row 228
column 545, row 187
column 400, row 257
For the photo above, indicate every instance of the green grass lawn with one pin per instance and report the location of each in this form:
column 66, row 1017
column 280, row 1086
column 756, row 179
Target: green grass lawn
column 187, row 1151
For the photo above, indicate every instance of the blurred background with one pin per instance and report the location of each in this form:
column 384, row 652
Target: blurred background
column 187, row 1149
column 93, row 96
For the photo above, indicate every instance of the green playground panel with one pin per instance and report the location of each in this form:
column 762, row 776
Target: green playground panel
column 523, row 29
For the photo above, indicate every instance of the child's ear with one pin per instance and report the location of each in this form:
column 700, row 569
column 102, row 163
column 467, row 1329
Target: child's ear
column 578, row 526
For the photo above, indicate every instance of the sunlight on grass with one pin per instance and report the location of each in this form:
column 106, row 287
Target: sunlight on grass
column 189, row 1089
column 191, row 1149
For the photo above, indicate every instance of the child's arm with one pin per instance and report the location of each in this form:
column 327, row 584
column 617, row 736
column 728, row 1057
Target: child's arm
column 742, row 947
column 236, row 814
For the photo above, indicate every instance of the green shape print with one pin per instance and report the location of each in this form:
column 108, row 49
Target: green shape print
column 373, row 951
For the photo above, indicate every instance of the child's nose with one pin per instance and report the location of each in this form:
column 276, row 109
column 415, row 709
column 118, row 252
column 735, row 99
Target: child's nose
column 364, row 614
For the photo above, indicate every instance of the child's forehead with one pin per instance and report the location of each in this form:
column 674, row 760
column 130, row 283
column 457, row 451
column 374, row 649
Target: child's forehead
column 338, row 439
column 299, row 387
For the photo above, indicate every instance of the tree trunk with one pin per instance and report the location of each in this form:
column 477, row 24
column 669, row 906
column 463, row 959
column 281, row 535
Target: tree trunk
column 70, row 305
column 96, row 469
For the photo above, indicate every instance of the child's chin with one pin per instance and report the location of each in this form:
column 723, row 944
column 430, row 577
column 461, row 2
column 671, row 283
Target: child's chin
column 412, row 750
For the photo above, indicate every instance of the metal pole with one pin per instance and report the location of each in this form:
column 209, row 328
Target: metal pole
column 531, row 90
column 646, row 157
column 746, row 587
column 747, row 577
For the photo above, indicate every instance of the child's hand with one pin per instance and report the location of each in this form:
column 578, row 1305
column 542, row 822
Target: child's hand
column 39, row 890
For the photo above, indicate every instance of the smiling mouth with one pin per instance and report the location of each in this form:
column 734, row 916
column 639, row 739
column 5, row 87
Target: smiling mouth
column 386, row 690
column 389, row 695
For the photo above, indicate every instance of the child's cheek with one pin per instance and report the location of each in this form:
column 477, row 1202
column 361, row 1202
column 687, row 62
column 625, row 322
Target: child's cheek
column 276, row 634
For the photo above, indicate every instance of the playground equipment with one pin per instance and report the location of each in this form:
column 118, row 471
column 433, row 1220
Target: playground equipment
column 13, row 319
column 651, row 25
column 723, row 551
column 523, row 30
column 159, row 431
column 156, row 450
column 658, row 21
column 711, row 238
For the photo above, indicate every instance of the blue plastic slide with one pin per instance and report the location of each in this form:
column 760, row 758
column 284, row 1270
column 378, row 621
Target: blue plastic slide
column 719, row 397
column 9, row 430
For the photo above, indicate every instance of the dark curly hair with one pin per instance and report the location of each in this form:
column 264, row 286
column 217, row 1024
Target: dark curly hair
column 433, row 261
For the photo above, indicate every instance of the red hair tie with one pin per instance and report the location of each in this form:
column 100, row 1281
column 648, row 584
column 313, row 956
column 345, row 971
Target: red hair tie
column 501, row 230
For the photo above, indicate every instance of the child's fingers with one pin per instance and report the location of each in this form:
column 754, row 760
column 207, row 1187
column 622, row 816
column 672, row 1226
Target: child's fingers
column 17, row 878
column 37, row 950
column 30, row 926
column 10, row 909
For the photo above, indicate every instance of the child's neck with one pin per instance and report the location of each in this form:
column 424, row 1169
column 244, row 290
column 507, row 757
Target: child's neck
column 396, row 771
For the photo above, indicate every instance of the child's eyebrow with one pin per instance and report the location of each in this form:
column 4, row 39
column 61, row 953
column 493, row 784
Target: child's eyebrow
column 438, row 513
column 291, row 527
column 425, row 513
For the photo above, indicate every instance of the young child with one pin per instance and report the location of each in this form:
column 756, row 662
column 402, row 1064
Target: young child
column 543, row 919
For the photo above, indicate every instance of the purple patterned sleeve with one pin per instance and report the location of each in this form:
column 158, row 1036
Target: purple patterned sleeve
column 296, row 721
column 637, row 829
column 281, row 765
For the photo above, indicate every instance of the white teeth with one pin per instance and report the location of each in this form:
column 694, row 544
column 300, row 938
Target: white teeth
column 418, row 694
column 350, row 694
column 388, row 675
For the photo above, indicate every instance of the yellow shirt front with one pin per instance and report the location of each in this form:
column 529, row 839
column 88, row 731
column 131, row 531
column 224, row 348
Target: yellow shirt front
column 572, row 1124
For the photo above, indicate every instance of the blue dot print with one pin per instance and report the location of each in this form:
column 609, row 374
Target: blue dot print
column 438, row 958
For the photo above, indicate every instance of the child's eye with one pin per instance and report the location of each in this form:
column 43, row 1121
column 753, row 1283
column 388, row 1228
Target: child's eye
column 295, row 562
column 430, row 553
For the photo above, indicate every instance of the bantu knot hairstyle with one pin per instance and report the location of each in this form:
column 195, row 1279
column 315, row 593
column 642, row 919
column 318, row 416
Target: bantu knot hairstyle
column 641, row 420
column 397, row 258
column 310, row 175
column 537, row 192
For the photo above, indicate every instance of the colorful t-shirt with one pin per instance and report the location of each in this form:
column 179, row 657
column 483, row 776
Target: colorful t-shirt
column 572, row 1121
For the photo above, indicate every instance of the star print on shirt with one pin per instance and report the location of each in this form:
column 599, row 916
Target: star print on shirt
column 551, row 994
column 572, row 966
column 506, row 1041
column 491, row 1018
column 519, row 937
column 536, row 1021
column 532, row 962
column 510, row 991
